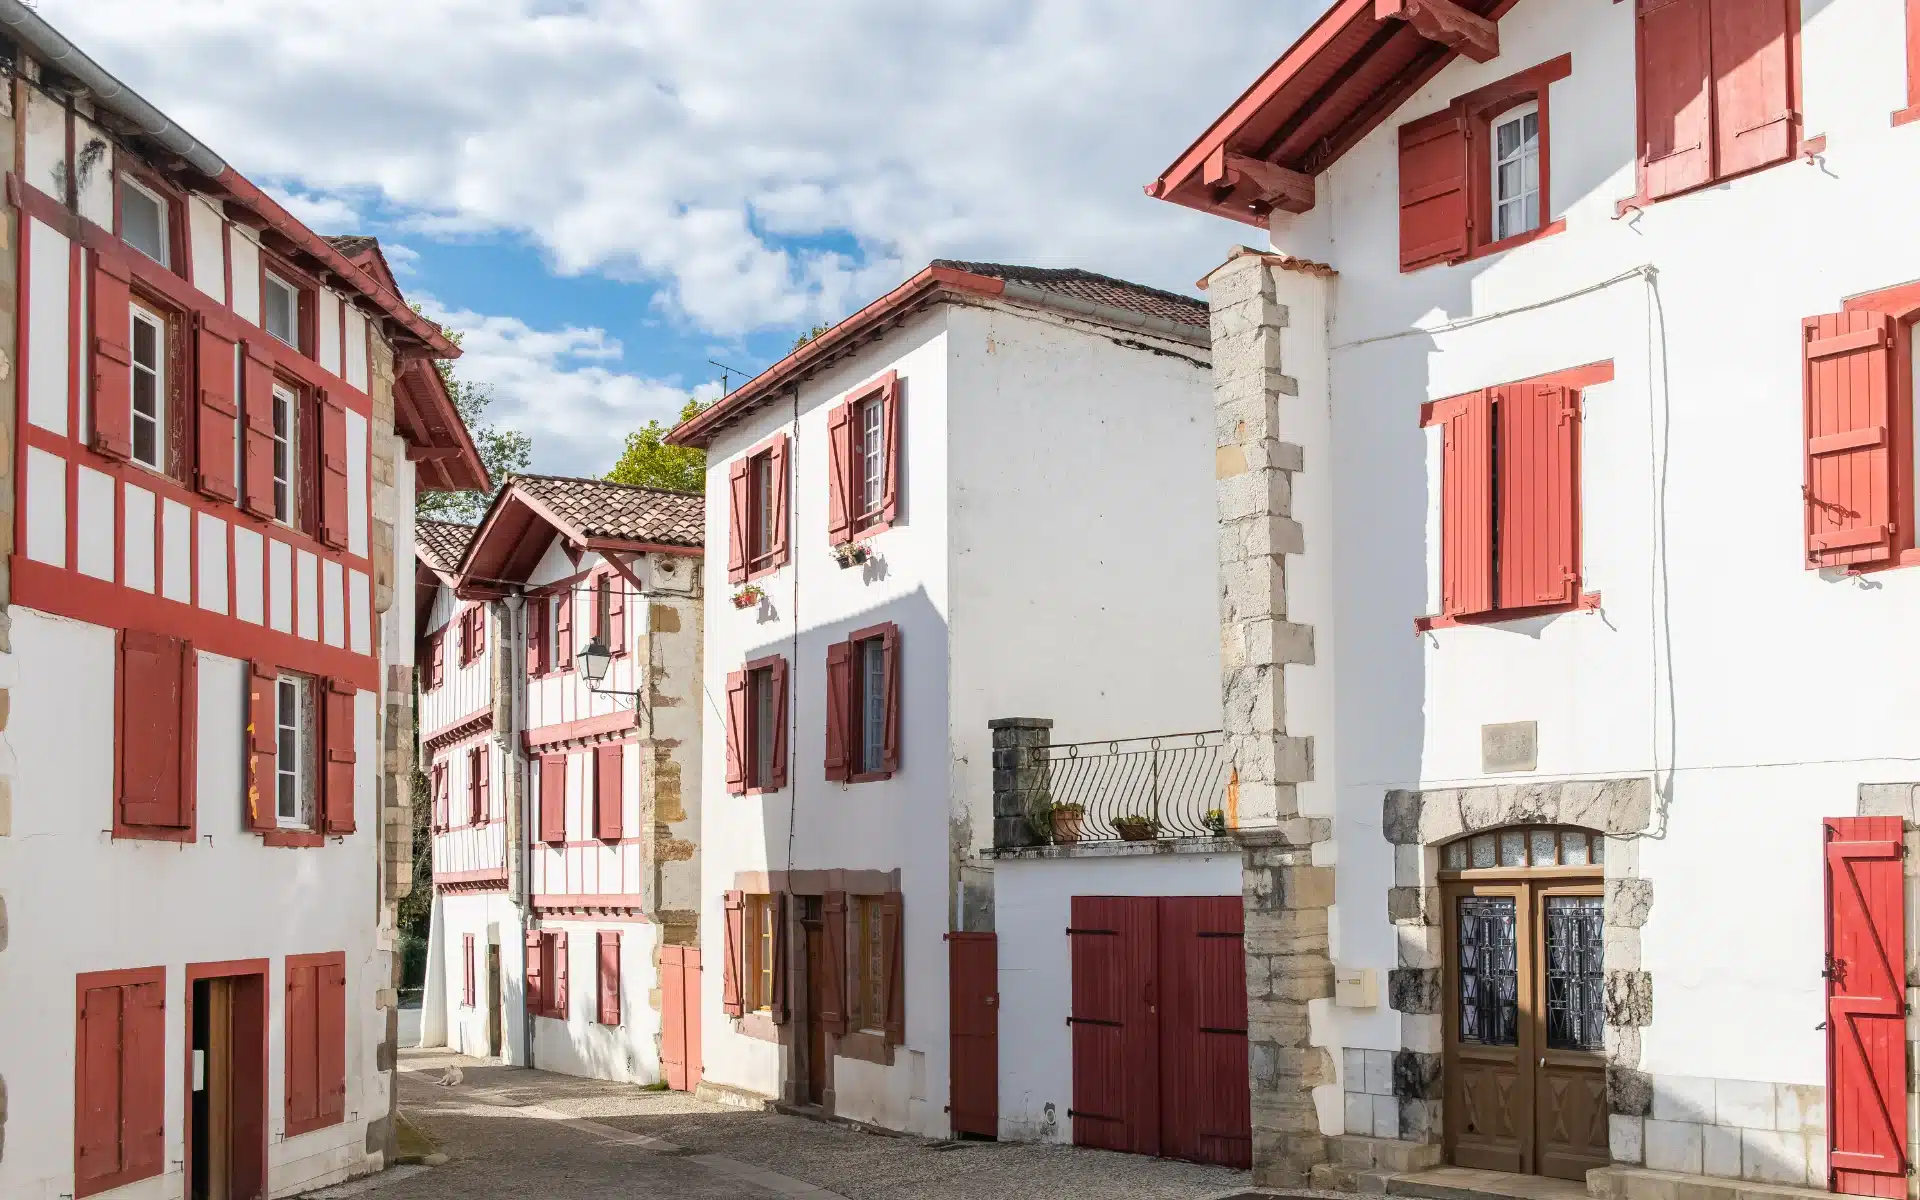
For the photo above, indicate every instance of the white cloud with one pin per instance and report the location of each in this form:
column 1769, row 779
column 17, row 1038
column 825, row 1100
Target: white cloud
column 691, row 144
column 322, row 214
column 404, row 259
column 560, row 386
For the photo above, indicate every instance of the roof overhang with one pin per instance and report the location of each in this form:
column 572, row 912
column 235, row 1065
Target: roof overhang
column 439, row 443
column 1348, row 72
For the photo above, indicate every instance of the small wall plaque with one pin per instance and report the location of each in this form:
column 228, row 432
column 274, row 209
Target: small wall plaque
column 1514, row 746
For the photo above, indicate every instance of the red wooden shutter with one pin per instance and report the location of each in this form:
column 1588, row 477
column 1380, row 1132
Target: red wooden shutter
column 839, row 711
column 617, row 615
column 1201, row 984
column 839, row 474
column 562, row 630
column 739, row 514
column 833, row 952
column 782, row 501
column 442, row 802
column 553, row 798
column 777, row 769
column 257, row 461
column 153, row 696
column 333, row 471
column 608, row 792
column 97, row 1107
column 737, row 733
column 112, row 394
column 475, row 757
column 467, row 970
column 1539, row 495
column 143, row 1079
column 559, row 968
column 1116, row 1068
column 1435, row 221
column 777, row 982
column 535, row 973
column 1676, row 111
column 890, row 664
column 733, row 970
column 1754, row 121
column 486, row 785
column 1866, row 1007
column 1850, row 484
column 219, row 410
column 1466, row 504
column 536, row 637
column 330, row 1007
column 893, row 963
column 337, row 782
column 302, row 1047
column 609, row 980
column 890, row 418
column 263, row 778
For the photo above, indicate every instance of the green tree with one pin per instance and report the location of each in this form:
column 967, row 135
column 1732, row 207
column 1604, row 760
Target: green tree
column 650, row 462
column 503, row 451
column 804, row 338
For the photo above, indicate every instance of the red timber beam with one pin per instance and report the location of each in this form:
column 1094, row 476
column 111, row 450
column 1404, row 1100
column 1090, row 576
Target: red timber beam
column 1445, row 22
column 1276, row 186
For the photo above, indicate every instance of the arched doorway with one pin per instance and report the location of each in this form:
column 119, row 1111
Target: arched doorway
column 1524, row 1009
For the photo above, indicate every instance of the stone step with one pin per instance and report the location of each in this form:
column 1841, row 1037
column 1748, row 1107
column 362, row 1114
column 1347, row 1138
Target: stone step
column 1465, row 1183
column 1638, row 1183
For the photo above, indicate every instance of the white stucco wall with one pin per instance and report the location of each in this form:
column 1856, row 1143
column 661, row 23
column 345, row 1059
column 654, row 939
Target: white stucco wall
column 491, row 919
column 580, row 1045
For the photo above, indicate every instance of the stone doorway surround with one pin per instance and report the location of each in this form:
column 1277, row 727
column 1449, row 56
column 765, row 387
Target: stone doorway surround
column 1417, row 824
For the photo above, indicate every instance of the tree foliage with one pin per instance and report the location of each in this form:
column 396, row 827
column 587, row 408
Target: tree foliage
column 503, row 451
column 650, row 462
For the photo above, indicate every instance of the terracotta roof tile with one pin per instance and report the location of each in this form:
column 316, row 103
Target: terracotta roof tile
column 353, row 245
column 442, row 544
column 599, row 509
column 1096, row 289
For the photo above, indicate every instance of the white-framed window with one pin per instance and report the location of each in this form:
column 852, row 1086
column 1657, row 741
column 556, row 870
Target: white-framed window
column 148, row 341
column 873, row 455
column 286, row 441
column 280, row 306
column 145, row 221
column 1516, row 171
column 873, row 705
column 293, row 751
column 760, row 496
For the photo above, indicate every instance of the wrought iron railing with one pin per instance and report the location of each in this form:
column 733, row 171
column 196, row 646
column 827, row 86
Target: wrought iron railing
column 1132, row 789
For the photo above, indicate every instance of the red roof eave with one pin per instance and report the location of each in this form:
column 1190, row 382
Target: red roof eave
column 426, row 416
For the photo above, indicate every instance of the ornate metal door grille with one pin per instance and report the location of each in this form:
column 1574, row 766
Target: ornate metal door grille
column 1574, row 976
column 1489, row 971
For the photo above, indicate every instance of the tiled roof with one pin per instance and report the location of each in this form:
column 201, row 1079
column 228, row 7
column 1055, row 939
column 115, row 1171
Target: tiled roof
column 620, row 510
column 353, row 245
column 1095, row 289
column 443, row 543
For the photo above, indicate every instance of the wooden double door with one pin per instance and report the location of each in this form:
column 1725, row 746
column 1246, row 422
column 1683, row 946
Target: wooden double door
column 1524, row 1069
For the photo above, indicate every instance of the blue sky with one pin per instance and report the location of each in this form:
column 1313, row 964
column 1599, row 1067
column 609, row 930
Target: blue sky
column 604, row 194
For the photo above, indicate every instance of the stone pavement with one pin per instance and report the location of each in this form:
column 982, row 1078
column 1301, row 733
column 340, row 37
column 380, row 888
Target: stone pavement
column 516, row 1133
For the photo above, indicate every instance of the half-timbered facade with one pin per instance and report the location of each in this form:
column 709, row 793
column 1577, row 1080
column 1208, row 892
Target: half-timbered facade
column 208, row 485
column 1566, row 465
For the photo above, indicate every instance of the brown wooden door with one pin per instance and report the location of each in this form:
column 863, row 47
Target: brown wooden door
column 680, row 1017
column 816, row 1008
column 1206, row 1110
column 1570, row 1089
column 493, row 1000
column 973, row 983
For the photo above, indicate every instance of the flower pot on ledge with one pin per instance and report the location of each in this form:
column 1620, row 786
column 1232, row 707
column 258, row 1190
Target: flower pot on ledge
column 748, row 597
column 1067, row 824
column 1136, row 829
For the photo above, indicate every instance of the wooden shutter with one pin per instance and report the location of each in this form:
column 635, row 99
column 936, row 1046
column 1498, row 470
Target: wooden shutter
column 337, row 777
column 1435, row 220
column 218, row 411
column 839, row 711
column 112, row 395
column 143, row 1079
column 779, row 552
column 466, row 970
column 608, row 792
column 155, row 698
column 833, row 953
column 890, row 666
column 559, row 970
column 739, row 514
column 1850, row 487
column 476, row 785
column 609, row 976
column 1753, row 117
column 1676, row 111
column 330, row 1009
column 777, row 980
column 553, row 798
column 535, row 973
column 890, row 416
column 97, row 1106
column 537, row 637
column 839, row 474
column 893, row 961
column 120, row 1080
column 617, row 615
column 1539, row 495
column 562, row 630
column 257, row 459
column 302, row 1046
column 733, row 970
column 1466, row 504
column 442, row 802
column 777, row 769
column 262, row 780
column 737, row 733
column 333, row 471
column 1866, row 1007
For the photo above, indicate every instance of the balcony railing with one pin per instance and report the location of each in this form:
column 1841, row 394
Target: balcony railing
column 1132, row 789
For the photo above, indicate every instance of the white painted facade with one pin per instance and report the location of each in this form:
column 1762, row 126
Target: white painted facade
column 1758, row 696
column 1042, row 566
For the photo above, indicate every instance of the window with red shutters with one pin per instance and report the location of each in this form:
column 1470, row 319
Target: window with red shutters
column 759, row 514
column 733, row 978
column 156, row 700
column 537, row 636
column 562, row 658
column 553, row 798
column 1718, row 89
column 863, row 461
column 609, row 796
column 557, row 961
column 257, row 432
column 215, row 461
column 436, row 659
column 1434, row 212
column 863, row 706
column 536, row 973
column 316, row 1041
column 111, row 300
column 119, row 1078
column 263, row 774
column 607, row 955
column 480, row 784
column 467, row 984
column 1852, row 483
column 757, row 721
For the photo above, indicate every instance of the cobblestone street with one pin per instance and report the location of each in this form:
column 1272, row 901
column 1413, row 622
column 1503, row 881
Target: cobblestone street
column 509, row 1132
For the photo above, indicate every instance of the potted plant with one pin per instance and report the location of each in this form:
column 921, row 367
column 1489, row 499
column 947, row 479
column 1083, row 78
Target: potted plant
column 1216, row 822
column 851, row 554
column 1135, row 828
column 1067, row 822
column 748, row 596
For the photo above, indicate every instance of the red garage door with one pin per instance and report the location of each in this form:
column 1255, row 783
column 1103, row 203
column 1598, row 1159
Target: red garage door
column 1160, row 1027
